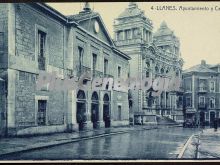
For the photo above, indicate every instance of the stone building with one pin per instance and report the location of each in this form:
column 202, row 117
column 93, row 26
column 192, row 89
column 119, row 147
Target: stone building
column 34, row 39
column 152, row 56
column 202, row 93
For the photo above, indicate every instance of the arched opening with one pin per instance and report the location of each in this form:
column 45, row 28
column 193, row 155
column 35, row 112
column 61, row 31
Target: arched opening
column 81, row 109
column 212, row 118
column 106, row 111
column 95, row 110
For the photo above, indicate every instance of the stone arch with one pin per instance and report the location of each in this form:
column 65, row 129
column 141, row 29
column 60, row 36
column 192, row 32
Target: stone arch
column 106, row 111
column 81, row 116
column 95, row 109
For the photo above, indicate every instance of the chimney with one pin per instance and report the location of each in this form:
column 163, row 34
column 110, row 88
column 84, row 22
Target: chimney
column 86, row 8
column 203, row 62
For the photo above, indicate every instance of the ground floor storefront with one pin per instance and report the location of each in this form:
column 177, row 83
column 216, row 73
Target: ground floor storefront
column 204, row 117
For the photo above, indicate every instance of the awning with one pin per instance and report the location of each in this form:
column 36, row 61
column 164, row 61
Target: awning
column 1, row 79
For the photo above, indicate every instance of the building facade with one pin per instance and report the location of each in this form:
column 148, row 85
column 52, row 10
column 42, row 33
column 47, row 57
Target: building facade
column 202, row 93
column 152, row 56
column 34, row 39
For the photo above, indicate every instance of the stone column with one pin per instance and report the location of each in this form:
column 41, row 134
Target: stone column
column 88, row 110
column 71, row 111
column 101, row 120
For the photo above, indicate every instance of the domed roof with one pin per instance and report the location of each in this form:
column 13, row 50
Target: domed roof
column 163, row 30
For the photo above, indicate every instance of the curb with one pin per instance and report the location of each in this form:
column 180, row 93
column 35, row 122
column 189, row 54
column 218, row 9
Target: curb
column 185, row 146
column 61, row 142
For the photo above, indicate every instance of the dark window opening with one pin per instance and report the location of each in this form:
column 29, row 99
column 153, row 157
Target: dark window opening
column 42, row 105
column 41, row 50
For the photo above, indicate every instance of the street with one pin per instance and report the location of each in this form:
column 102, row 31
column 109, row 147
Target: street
column 164, row 143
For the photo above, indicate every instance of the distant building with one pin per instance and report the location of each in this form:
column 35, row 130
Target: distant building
column 152, row 55
column 202, row 93
column 34, row 37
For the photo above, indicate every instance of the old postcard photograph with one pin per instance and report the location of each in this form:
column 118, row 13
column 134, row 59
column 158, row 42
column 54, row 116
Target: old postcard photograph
column 109, row 81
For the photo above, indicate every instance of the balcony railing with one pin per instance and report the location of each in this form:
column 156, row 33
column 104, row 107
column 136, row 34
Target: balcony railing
column 202, row 89
column 128, row 42
column 202, row 105
column 41, row 63
column 108, row 76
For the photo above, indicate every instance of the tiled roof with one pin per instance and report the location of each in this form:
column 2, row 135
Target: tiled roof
column 200, row 68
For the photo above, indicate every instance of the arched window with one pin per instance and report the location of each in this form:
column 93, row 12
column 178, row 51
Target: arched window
column 106, row 98
column 81, row 95
column 162, row 71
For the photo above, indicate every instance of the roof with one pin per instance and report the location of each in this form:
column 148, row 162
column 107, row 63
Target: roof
column 200, row 68
column 163, row 30
column 82, row 16
column 215, row 65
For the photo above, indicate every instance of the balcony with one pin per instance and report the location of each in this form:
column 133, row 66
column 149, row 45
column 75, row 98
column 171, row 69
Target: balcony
column 108, row 76
column 97, row 74
column 41, row 63
column 83, row 69
column 202, row 90
column 128, row 42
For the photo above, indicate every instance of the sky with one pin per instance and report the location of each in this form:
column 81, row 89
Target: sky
column 198, row 31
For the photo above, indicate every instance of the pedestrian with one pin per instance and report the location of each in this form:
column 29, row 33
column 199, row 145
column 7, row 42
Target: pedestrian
column 215, row 124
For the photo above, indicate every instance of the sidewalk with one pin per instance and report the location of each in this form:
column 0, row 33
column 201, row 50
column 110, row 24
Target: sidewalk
column 19, row 144
column 209, row 145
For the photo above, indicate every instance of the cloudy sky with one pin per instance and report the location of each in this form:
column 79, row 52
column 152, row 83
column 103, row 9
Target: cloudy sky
column 198, row 31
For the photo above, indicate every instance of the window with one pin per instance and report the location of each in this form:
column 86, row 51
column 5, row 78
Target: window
column 180, row 101
column 212, row 86
column 128, row 34
column 119, row 71
column 105, row 66
column 188, row 102
column 147, row 74
column 201, row 101
column 212, row 102
column 42, row 105
column 41, row 50
column 119, row 112
column 136, row 33
column 188, row 84
column 94, row 62
column 80, row 51
column 120, row 35
column 1, row 43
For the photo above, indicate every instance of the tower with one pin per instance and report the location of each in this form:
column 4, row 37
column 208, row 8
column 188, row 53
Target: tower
column 165, row 39
column 132, row 32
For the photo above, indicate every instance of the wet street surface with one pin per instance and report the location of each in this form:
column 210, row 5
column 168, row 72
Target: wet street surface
column 164, row 143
